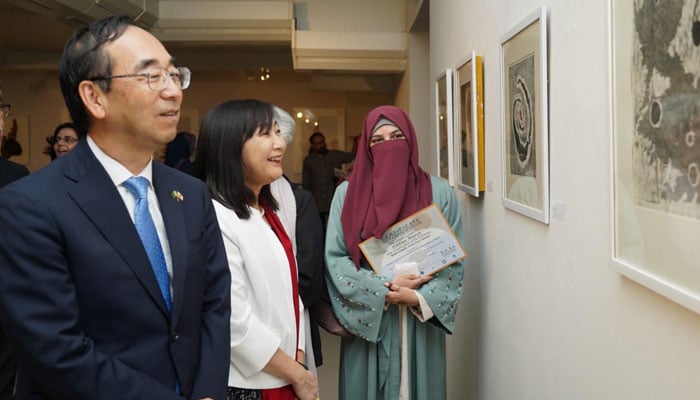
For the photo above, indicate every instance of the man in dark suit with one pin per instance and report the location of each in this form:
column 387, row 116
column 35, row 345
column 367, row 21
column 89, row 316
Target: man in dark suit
column 9, row 172
column 112, row 292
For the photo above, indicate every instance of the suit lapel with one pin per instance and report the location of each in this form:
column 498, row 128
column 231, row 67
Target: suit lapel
column 95, row 193
column 171, row 208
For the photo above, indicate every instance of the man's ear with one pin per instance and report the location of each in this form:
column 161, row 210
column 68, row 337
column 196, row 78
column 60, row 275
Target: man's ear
column 94, row 99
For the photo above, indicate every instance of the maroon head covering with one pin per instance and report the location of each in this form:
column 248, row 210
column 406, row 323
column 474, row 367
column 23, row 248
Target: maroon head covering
column 386, row 184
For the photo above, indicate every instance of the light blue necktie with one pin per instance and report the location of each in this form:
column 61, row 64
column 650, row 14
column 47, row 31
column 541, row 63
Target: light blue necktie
column 138, row 186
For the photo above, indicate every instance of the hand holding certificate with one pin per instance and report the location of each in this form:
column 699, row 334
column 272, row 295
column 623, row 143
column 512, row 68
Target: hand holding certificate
column 424, row 238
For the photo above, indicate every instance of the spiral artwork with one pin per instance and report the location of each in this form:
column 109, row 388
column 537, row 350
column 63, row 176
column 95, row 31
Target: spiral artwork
column 521, row 78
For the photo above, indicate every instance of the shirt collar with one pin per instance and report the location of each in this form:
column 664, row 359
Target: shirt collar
column 116, row 171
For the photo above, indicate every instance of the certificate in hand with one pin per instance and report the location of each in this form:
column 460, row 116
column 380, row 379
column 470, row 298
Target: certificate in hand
column 425, row 238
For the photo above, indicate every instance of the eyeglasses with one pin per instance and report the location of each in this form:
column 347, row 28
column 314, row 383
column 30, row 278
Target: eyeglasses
column 158, row 78
column 66, row 140
column 5, row 109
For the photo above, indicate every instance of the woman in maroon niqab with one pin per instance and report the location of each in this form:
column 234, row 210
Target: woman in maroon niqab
column 386, row 184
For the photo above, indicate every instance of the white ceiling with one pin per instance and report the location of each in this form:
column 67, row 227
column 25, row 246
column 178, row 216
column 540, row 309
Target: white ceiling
column 31, row 41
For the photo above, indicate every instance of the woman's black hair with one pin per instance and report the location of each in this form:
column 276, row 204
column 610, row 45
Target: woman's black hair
column 219, row 157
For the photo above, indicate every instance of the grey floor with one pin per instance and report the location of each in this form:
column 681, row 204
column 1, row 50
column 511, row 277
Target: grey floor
column 328, row 372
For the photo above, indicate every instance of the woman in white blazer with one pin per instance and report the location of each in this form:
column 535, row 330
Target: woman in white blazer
column 239, row 154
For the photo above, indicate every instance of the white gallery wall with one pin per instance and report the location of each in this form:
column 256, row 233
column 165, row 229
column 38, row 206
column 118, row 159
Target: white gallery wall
column 543, row 316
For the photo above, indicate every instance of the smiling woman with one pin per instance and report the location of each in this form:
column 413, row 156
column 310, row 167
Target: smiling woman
column 239, row 154
column 64, row 138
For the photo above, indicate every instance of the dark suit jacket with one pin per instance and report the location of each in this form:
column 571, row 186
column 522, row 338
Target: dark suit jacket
column 11, row 171
column 309, row 238
column 79, row 297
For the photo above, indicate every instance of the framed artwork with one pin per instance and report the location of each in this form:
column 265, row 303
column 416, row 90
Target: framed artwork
column 524, row 123
column 469, row 125
column 444, row 121
column 656, row 147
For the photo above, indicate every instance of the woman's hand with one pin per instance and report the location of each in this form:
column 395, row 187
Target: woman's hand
column 305, row 385
column 401, row 296
column 303, row 382
column 411, row 281
column 402, row 289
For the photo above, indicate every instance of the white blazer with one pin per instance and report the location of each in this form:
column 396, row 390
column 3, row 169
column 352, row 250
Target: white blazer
column 262, row 311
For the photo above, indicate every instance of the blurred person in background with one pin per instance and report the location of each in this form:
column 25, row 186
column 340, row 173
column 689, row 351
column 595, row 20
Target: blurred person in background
column 63, row 140
column 179, row 151
column 319, row 172
column 299, row 214
column 9, row 171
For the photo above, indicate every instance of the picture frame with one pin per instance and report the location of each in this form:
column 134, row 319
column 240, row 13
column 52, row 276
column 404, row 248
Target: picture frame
column 655, row 167
column 524, row 122
column 444, row 125
column 469, row 125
